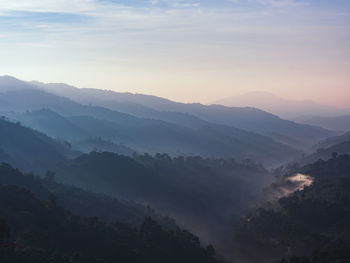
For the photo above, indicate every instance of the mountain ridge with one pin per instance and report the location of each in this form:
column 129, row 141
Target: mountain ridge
column 286, row 108
column 147, row 134
column 148, row 106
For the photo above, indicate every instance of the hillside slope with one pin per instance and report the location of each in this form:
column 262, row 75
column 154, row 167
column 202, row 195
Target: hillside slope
column 327, row 153
column 29, row 149
column 331, row 141
column 337, row 123
column 200, row 194
column 301, row 225
column 32, row 230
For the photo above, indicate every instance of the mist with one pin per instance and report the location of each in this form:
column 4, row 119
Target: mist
column 174, row 131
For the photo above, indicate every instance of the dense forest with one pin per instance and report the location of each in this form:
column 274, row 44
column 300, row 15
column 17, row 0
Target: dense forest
column 39, row 230
column 310, row 225
column 200, row 193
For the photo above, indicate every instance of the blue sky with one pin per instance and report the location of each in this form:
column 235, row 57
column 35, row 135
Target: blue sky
column 195, row 50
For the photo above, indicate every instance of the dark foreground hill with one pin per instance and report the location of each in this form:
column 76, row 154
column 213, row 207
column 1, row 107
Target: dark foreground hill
column 201, row 194
column 310, row 225
column 35, row 230
column 80, row 202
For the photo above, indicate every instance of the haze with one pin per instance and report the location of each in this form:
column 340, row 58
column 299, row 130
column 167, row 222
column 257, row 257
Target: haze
column 177, row 131
column 189, row 51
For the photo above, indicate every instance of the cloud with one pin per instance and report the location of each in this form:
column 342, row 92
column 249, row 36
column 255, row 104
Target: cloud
column 274, row 3
column 153, row 20
column 282, row 3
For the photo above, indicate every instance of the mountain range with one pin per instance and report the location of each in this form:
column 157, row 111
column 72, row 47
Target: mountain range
column 189, row 115
column 193, row 115
column 285, row 108
column 151, row 124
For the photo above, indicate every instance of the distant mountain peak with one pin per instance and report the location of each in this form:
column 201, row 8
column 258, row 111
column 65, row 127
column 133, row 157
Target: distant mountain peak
column 283, row 107
column 9, row 83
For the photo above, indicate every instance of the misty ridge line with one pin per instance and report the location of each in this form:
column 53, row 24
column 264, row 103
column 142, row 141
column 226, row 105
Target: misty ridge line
column 99, row 98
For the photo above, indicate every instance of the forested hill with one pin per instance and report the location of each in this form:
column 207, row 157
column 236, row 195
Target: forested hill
column 311, row 225
column 326, row 153
column 202, row 194
column 28, row 149
column 338, row 166
column 33, row 230
column 81, row 202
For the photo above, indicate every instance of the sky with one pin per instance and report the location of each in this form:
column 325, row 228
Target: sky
column 185, row 50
